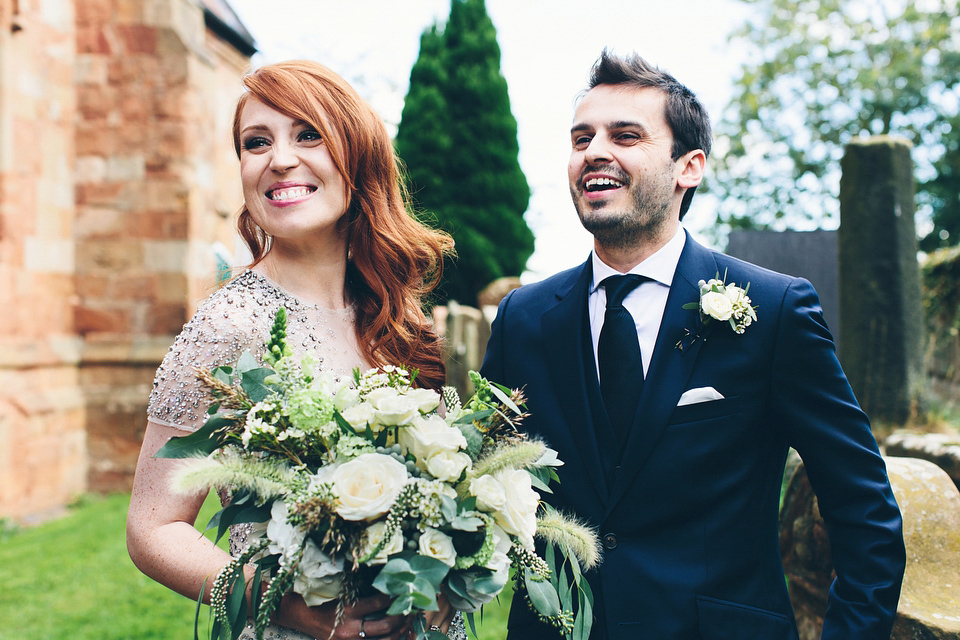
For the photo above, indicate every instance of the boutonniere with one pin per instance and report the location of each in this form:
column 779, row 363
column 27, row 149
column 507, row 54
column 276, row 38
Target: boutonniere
column 722, row 302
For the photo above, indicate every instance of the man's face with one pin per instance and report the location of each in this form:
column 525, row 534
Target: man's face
column 623, row 180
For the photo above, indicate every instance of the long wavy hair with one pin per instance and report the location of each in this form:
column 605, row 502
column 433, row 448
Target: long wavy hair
column 393, row 260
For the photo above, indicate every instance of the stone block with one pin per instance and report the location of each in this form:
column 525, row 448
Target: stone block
column 50, row 255
column 942, row 449
column 137, row 39
column 88, row 319
column 929, row 606
column 880, row 306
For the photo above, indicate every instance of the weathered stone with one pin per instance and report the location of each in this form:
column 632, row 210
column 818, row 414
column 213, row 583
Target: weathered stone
column 880, row 309
column 942, row 449
column 930, row 598
column 493, row 293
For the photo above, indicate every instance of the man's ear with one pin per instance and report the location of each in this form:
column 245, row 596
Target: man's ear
column 691, row 166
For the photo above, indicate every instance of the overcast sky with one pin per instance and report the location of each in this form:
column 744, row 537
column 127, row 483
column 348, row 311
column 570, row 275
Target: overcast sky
column 547, row 47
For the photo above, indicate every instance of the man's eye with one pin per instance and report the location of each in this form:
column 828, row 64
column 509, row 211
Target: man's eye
column 581, row 141
column 255, row 142
column 628, row 137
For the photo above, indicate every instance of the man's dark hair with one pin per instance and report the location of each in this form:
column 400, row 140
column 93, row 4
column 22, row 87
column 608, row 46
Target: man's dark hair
column 686, row 117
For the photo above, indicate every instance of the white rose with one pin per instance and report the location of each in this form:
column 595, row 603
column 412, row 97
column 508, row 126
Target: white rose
column 429, row 435
column 436, row 544
column 346, row 397
column 427, row 399
column 491, row 496
column 396, row 410
column 359, row 415
column 284, row 538
column 367, row 486
column 374, row 536
column 716, row 305
column 733, row 293
column 382, row 393
column 447, row 465
column 518, row 516
column 320, row 576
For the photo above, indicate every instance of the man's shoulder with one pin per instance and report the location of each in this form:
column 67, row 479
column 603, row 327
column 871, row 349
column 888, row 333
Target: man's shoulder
column 557, row 284
column 740, row 272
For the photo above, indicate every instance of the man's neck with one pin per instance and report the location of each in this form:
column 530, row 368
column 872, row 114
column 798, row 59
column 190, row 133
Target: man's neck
column 625, row 258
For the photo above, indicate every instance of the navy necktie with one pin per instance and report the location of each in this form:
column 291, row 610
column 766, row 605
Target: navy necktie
column 618, row 356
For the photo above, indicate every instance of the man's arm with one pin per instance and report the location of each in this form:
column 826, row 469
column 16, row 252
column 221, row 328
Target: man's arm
column 813, row 401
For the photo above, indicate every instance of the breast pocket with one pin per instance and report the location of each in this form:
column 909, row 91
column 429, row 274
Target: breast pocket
column 709, row 410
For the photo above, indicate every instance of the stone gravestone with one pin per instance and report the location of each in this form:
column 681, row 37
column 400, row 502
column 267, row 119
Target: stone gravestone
column 807, row 254
column 930, row 598
column 880, row 306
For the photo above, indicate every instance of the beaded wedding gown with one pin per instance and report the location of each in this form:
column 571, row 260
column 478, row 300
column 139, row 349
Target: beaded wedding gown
column 236, row 318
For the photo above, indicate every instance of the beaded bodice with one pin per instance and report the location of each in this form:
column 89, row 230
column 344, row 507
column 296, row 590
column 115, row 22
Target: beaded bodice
column 236, row 318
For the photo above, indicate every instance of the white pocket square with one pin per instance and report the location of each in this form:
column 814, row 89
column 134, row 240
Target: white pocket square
column 700, row 394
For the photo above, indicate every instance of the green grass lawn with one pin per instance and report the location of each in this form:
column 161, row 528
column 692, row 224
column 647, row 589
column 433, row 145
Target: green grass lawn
column 71, row 579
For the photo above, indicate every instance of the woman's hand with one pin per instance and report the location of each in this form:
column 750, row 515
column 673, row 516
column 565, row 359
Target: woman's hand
column 365, row 619
column 442, row 617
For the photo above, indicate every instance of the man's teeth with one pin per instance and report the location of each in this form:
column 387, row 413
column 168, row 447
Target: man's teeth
column 597, row 184
column 288, row 194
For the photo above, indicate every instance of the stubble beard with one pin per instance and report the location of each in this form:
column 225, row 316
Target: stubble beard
column 643, row 224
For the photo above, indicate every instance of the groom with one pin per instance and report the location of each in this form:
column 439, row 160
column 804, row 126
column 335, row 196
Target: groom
column 675, row 429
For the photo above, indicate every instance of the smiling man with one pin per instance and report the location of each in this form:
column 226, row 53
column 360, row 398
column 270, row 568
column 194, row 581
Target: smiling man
column 674, row 418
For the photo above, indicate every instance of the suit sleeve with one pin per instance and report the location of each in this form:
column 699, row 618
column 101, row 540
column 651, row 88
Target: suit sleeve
column 813, row 401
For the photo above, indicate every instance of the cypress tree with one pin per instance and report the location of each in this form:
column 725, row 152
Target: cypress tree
column 467, row 173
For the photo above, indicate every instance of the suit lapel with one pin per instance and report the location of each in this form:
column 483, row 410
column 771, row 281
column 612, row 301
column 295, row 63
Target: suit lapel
column 670, row 367
column 563, row 330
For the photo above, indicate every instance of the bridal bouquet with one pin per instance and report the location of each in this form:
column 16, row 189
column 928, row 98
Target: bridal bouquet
column 378, row 485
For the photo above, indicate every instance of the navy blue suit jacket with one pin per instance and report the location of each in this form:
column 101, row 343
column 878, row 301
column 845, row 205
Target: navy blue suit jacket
column 689, row 507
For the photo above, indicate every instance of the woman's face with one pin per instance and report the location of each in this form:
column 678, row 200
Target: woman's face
column 291, row 186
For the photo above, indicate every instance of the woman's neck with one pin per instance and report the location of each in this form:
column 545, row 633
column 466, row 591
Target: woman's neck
column 312, row 277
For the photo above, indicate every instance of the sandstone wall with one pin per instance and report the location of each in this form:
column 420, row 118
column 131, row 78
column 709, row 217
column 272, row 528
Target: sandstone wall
column 117, row 181
column 42, row 440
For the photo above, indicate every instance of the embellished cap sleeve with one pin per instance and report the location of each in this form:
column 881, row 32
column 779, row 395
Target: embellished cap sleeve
column 221, row 330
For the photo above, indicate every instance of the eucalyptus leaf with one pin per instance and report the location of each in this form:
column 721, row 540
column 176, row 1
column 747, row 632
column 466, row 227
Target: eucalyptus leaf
column 201, row 442
column 246, row 362
column 542, row 594
column 476, row 416
column 473, row 437
column 253, row 384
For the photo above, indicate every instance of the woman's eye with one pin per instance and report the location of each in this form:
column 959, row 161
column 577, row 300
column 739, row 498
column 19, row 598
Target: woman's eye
column 255, row 142
column 309, row 135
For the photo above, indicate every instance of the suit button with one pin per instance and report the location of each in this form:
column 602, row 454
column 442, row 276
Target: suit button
column 610, row 540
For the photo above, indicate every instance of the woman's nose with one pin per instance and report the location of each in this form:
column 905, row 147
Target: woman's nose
column 284, row 157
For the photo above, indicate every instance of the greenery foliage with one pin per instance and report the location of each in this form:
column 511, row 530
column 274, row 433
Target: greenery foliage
column 458, row 139
column 822, row 72
column 71, row 579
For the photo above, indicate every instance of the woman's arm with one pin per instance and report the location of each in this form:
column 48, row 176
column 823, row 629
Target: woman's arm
column 164, row 544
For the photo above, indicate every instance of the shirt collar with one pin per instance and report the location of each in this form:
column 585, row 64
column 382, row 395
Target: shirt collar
column 659, row 267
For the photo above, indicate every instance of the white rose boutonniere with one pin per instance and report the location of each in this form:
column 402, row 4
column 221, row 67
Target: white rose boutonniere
column 722, row 302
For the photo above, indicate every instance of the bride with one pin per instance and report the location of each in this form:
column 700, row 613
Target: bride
column 326, row 219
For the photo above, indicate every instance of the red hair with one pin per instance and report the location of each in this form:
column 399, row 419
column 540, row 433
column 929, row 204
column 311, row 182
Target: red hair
column 393, row 260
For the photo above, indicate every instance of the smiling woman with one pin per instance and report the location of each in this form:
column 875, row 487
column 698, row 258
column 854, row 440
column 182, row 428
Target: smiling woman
column 327, row 221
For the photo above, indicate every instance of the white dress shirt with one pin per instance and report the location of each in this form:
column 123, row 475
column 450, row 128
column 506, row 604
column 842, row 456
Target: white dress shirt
column 645, row 303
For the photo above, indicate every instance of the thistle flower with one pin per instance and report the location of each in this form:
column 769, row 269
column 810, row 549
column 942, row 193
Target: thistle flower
column 570, row 535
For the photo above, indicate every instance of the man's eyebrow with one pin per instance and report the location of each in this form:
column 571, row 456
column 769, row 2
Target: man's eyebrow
column 619, row 124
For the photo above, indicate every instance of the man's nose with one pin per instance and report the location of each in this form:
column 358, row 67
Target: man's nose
column 598, row 151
